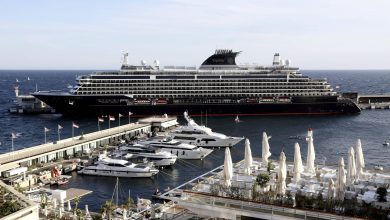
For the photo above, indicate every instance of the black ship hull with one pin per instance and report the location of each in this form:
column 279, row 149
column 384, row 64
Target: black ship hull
column 72, row 105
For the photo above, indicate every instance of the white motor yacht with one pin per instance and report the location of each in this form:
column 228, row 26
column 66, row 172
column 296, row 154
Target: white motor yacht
column 181, row 150
column 202, row 136
column 138, row 152
column 106, row 166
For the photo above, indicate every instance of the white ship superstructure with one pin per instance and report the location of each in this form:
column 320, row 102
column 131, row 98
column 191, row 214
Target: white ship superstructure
column 106, row 166
column 202, row 136
column 141, row 152
column 181, row 150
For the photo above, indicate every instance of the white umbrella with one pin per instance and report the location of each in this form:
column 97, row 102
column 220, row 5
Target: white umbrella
column 359, row 160
column 265, row 153
column 341, row 180
column 282, row 174
column 331, row 189
column 60, row 213
column 228, row 168
column 54, row 203
column 69, row 207
column 298, row 166
column 87, row 214
column 351, row 175
column 124, row 213
column 311, row 155
column 248, row 156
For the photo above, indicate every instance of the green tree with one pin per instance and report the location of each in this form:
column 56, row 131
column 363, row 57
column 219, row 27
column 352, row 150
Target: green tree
column 262, row 179
column 129, row 203
column 9, row 207
column 76, row 204
column 43, row 200
column 270, row 167
column 108, row 207
column 215, row 189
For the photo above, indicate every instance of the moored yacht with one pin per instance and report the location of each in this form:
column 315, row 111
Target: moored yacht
column 106, row 166
column 139, row 153
column 181, row 150
column 202, row 136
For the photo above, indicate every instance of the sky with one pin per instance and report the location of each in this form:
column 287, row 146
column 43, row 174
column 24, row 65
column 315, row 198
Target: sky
column 92, row 34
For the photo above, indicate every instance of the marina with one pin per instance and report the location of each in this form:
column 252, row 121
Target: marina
column 30, row 169
column 189, row 110
column 168, row 177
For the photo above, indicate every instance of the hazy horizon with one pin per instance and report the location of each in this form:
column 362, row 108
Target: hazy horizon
column 84, row 35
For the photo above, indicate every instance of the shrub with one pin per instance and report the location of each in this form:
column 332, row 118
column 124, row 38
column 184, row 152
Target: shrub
column 262, row 179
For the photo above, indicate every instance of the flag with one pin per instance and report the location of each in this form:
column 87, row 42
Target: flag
column 46, row 129
column 120, row 115
column 75, row 125
column 130, row 113
column 112, row 118
column 100, row 119
column 59, row 127
column 15, row 135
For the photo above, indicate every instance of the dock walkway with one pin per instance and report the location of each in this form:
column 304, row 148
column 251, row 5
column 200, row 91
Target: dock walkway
column 78, row 143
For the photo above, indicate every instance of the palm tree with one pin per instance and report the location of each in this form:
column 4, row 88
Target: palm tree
column 76, row 204
column 43, row 200
column 129, row 204
column 108, row 208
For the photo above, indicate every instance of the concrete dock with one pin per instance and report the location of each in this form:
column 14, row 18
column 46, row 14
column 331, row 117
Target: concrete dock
column 373, row 101
column 77, row 145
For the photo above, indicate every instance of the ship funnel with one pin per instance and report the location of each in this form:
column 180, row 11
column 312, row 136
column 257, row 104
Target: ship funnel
column 125, row 60
column 288, row 62
column 276, row 61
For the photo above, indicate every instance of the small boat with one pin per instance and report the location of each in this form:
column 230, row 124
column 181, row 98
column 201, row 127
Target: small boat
column 62, row 181
column 378, row 167
column 237, row 120
column 386, row 144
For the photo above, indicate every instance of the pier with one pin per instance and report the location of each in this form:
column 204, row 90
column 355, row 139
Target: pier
column 78, row 145
column 373, row 101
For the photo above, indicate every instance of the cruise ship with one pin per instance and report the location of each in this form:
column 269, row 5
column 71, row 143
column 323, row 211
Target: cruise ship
column 219, row 87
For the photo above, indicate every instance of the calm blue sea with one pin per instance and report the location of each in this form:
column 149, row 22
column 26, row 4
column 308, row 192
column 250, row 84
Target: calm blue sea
column 333, row 135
